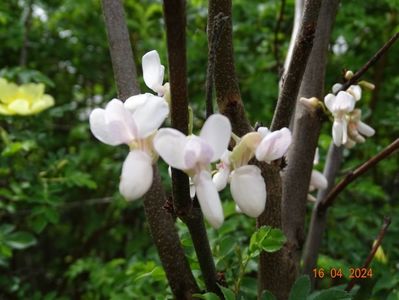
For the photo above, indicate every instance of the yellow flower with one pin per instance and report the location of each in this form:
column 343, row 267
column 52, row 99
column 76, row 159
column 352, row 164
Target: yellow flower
column 25, row 99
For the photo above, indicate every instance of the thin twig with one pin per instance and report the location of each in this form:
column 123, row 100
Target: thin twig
column 218, row 26
column 276, row 47
column 360, row 170
column 374, row 248
column 371, row 62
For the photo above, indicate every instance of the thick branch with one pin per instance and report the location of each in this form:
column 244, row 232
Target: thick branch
column 293, row 78
column 374, row 248
column 318, row 221
column 175, row 20
column 120, row 49
column 226, row 85
column 371, row 62
column 306, row 132
column 161, row 223
column 352, row 176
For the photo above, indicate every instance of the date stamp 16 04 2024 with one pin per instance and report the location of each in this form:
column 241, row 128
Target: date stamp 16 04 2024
column 352, row 273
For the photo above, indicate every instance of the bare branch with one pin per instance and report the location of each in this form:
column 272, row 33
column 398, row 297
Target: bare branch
column 175, row 20
column 353, row 175
column 374, row 248
column 371, row 62
column 293, row 78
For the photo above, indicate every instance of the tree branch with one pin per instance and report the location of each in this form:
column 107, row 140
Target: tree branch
column 175, row 20
column 374, row 248
column 293, row 78
column 226, row 85
column 371, row 62
column 319, row 221
column 353, row 175
column 161, row 223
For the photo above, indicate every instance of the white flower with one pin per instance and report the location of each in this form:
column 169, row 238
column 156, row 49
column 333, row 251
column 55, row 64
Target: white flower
column 317, row 180
column 273, row 145
column 193, row 155
column 221, row 177
column 191, row 183
column 153, row 73
column 340, row 106
column 132, row 123
column 357, row 129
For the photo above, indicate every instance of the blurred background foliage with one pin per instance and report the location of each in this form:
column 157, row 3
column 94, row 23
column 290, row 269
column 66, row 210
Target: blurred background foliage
column 66, row 233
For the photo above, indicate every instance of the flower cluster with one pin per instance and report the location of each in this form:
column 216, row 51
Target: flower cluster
column 135, row 123
column 347, row 129
column 25, row 99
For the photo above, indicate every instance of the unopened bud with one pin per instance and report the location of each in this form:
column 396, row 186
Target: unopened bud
column 348, row 74
column 367, row 85
column 310, row 103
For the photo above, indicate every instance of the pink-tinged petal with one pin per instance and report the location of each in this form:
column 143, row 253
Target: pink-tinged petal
column 148, row 111
column 120, row 123
column 216, row 132
column 344, row 102
column 136, row 177
column 339, row 131
column 274, row 145
column 197, row 151
column 355, row 91
column 318, row 180
column 153, row 71
column 263, row 131
column 365, row 129
column 208, row 199
column 248, row 190
column 329, row 102
column 336, row 87
column 170, row 144
column 99, row 128
column 221, row 178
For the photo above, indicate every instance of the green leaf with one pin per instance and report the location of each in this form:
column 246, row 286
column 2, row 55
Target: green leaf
column 20, row 240
column 301, row 288
column 227, row 293
column 207, row 296
column 274, row 241
column 266, row 295
column 330, row 294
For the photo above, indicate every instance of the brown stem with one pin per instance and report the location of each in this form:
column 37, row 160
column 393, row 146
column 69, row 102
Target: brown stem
column 293, row 77
column 353, row 175
column 319, row 221
column 227, row 91
column 163, row 231
column 371, row 62
column 276, row 47
column 120, row 49
column 374, row 248
column 175, row 20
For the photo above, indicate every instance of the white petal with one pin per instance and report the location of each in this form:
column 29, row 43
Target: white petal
column 170, row 144
column 318, row 180
column 99, row 127
column 338, row 132
column 316, row 156
column 329, row 101
column 355, row 91
column 263, row 131
column 136, row 178
column 208, row 199
column 344, row 102
column 148, row 111
column 365, row 129
column 221, row 178
column 197, row 151
column 192, row 190
column 336, row 87
column 350, row 143
column 274, row 145
column 216, row 132
column 249, row 190
column 120, row 123
column 153, row 71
